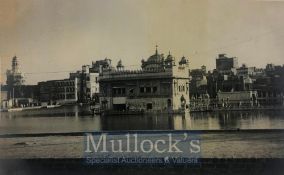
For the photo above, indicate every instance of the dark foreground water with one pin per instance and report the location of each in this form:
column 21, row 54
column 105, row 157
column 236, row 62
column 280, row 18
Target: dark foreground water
column 75, row 119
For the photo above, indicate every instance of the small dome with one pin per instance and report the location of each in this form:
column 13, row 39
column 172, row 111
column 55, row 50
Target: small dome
column 156, row 58
column 119, row 63
column 169, row 57
column 155, row 62
column 183, row 60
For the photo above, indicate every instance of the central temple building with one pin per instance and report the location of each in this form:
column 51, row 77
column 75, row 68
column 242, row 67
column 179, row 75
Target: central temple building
column 161, row 85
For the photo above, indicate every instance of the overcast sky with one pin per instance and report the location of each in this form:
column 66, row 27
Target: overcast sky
column 62, row 35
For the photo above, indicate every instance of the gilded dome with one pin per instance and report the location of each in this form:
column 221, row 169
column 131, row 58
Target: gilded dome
column 156, row 58
column 154, row 62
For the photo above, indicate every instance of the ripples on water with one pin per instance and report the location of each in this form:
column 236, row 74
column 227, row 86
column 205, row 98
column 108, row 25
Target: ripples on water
column 75, row 119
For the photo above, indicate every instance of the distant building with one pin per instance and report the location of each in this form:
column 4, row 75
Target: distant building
column 25, row 95
column 237, row 99
column 252, row 72
column 226, row 83
column 270, row 87
column 198, row 82
column 18, row 94
column 226, row 65
column 101, row 65
column 89, row 83
column 160, row 85
column 58, row 91
column 14, row 76
column 88, row 80
column 245, row 71
column 4, row 101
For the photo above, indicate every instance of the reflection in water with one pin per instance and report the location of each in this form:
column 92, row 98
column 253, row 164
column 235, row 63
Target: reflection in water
column 76, row 119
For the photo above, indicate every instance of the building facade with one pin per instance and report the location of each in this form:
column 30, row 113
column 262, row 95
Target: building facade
column 198, row 82
column 226, row 65
column 58, row 92
column 89, row 84
column 4, row 101
column 88, row 80
column 245, row 71
column 238, row 99
column 270, row 86
column 160, row 85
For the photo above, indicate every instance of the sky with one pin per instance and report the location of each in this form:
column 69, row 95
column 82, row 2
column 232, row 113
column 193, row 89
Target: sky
column 54, row 37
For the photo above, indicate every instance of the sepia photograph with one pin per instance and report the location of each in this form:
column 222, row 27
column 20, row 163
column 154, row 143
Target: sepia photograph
column 142, row 87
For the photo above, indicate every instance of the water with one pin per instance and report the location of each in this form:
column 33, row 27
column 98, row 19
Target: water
column 74, row 119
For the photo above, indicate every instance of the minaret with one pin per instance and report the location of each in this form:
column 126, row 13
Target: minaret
column 14, row 76
column 169, row 62
column 15, row 65
column 156, row 49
